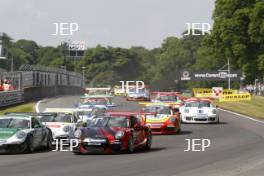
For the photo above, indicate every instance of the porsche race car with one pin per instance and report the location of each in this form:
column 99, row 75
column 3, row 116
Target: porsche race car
column 23, row 133
column 199, row 110
column 134, row 94
column 113, row 132
column 97, row 101
column 167, row 97
column 61, row 121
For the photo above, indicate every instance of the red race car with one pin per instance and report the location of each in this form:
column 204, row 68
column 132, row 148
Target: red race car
column 115, row 131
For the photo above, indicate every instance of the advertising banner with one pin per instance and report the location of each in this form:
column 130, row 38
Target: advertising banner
column 235, row 97
column 209, row 75
column 214, row 92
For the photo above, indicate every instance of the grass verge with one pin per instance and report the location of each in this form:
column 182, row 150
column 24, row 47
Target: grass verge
column 25, row 107
column 253, row 108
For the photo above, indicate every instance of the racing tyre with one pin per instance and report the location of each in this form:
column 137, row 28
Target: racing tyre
column 49, row 141
column 30, row 147
column 149, row 142
column 179, row 131
column 130, row 147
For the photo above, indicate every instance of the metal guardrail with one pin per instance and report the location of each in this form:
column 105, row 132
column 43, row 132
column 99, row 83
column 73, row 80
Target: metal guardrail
column 30, row 76
column 11, row 98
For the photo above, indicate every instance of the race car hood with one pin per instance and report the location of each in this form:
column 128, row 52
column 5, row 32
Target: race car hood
column 137, row 94
column 101, row 132
column 196, row 110
column 157, row 119
column 55, row 126
column 6, row 133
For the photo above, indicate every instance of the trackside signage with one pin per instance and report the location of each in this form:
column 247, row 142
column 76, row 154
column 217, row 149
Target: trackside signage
column 211, row 92
column 235, row 97
column 209, row 75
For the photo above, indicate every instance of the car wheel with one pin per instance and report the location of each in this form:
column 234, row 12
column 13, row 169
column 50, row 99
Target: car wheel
column 179, row 131
column 49, row 141
column 130, row 147
column 149, row 142
column 30, row 147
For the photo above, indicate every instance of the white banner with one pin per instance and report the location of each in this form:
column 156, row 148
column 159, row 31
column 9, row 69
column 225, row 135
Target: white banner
column 77, row 45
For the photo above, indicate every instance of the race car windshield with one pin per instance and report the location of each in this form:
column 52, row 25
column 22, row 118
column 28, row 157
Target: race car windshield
column 158, row 110
column 110, row 122
column 63, row 118
column 168, row 98
column 14, row 123
column 46, row 118
column 198, row 104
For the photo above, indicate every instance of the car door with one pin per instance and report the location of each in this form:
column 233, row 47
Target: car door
column 38, row 132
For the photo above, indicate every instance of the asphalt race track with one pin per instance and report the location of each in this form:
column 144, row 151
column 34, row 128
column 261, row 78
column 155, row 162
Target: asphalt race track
column 237, row 149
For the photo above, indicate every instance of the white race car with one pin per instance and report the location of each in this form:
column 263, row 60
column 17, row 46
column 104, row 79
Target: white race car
column 61, row 121
column 138, row 95
column 198, row 110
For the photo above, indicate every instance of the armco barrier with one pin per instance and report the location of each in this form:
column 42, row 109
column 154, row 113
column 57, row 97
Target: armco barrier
column 37, row 93
column 11, row 98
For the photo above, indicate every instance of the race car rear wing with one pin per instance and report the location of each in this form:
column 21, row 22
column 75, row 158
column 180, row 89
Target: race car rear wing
column 101, row 88
column 96, row 96
column 60, row 110
column 165, row 93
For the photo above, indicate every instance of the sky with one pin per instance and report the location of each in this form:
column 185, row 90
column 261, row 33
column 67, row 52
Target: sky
column 117, row 23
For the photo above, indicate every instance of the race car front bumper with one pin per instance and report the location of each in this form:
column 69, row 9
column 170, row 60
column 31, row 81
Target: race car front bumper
column 85, row 147
column 195, row 119
column 159, row 128
column 13, row 148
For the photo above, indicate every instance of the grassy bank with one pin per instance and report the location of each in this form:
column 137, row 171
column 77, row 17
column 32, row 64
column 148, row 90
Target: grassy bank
column 253, row 108
column 26, row 107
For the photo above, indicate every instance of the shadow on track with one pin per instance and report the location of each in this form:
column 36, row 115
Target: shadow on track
column 137, row 151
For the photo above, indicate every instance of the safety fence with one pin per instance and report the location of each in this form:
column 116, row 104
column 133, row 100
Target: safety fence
column 36, row 82
column 11, row 98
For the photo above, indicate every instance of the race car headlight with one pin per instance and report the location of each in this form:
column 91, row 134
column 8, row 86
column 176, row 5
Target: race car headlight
column 66, row 129
column 119, row 134
column 186, row 111
column 21, row 135
column 78, row 133
column 214, row 111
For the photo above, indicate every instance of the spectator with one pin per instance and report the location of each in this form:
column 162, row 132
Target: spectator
column 8, row 86
column 1, row 85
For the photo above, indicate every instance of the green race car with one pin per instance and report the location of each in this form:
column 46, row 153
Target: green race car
column 23, row 134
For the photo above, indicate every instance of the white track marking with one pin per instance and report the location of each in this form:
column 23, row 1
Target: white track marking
column 244, row 116
column 37, row 105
